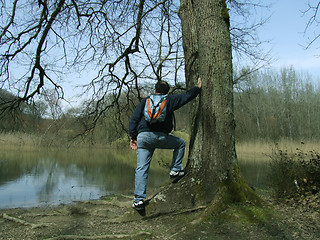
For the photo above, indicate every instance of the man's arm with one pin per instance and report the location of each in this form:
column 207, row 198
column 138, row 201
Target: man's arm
column 178, row 100
column 135, row 119
column 133, row 124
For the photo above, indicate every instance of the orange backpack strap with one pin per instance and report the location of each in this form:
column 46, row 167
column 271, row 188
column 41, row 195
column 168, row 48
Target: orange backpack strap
column 149, row 111
column 162, row 105
column 155, row 108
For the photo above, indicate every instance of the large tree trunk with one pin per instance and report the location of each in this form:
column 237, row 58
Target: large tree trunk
column 212, row 163
column 212, row 155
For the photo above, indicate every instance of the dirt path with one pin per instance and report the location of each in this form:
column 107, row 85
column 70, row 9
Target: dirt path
column 110, row 219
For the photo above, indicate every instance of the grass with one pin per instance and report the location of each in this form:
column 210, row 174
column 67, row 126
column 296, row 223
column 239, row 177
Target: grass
column 261, row 150
column 18, row 141
column 248, row 151
column 31, row 142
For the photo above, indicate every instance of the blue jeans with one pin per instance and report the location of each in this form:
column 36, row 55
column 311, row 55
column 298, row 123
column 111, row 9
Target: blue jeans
column 147, row 142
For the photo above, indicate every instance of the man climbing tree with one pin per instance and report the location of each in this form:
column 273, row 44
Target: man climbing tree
column 150, row 127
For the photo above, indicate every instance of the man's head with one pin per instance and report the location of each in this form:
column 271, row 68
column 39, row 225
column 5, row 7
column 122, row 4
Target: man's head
column 162, row 87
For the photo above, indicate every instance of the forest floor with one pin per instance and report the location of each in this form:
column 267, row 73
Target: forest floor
column 113, row 218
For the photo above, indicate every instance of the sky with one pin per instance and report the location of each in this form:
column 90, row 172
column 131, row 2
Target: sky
column 286, row 29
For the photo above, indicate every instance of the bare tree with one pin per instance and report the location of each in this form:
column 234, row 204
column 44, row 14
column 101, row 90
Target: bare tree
column 120, row 42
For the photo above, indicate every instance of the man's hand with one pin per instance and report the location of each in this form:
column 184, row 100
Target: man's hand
column 199, row 84
column 133, row 145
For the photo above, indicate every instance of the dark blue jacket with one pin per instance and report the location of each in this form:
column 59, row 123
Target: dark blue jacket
column 138, row 124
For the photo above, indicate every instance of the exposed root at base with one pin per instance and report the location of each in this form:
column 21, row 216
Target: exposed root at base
column 175, row 213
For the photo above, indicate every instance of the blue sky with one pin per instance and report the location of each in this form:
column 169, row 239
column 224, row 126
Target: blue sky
column 286, row 29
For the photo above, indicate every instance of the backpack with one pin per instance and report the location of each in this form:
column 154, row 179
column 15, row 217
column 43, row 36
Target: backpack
column 155, row 108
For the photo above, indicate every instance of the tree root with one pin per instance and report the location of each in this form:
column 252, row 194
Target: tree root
column 190, row 210
column 152, row 216
column 110, row 236
column 174, row 213
column 23, row 222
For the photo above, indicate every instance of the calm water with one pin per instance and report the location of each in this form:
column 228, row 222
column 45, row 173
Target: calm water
column 30, row 179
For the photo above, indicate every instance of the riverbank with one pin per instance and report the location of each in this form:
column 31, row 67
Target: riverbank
column 113, row 218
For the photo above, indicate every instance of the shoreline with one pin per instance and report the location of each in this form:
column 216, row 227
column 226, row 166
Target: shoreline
column 113, row 218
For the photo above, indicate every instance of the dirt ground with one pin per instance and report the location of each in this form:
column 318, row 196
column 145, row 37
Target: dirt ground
column 113, row 218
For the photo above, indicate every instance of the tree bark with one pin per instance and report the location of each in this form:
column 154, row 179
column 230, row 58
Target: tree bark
column 212, row 155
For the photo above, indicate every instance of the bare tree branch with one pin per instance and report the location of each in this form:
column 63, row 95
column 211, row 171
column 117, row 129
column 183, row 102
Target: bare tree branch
column 313, row 20
column 5, row 29
column 121, row 45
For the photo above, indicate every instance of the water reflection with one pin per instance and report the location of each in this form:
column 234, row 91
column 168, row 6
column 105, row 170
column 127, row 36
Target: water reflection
column 32, row 179
column 45, row 178
column 255, row 172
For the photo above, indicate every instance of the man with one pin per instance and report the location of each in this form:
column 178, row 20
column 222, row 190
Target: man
column 146, row 137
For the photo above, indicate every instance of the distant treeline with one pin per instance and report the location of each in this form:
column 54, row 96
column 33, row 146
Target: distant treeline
column 274, row 105
column 16, row 116
column 268, row 106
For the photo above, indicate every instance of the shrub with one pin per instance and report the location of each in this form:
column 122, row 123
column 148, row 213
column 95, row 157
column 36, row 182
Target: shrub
column 294, row 173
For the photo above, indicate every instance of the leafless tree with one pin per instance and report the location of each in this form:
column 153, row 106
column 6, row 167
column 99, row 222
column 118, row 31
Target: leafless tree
column 120, row 43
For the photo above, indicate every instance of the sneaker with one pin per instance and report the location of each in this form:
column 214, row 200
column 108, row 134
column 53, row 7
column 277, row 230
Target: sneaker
column 138, row 205
column 176, row 175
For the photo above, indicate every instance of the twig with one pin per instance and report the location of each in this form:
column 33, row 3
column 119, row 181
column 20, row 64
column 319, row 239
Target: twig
column 23, row 222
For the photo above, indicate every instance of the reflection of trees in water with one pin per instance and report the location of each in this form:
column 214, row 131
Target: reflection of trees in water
column 255, row 173
column 54, row 173
column 49, row 168
column 108, row 177
column 15, row 165
column 70, row 174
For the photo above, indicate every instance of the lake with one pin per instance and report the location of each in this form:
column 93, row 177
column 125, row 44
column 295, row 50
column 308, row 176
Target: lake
column 40, row 178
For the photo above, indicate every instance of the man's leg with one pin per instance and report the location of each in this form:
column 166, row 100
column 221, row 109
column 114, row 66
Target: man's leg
column 178, row 154
column 178, row 145
column 144, row 156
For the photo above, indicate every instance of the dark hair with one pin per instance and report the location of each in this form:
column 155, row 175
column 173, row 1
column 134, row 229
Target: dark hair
column 162, row 87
